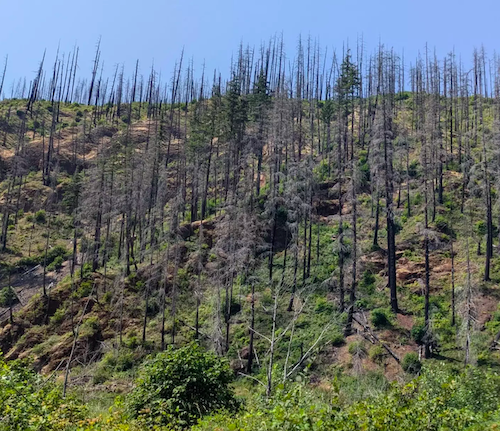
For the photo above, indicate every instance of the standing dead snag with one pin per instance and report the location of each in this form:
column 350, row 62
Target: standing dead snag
column 468, row 310
column 251, row 333
column 354, row 281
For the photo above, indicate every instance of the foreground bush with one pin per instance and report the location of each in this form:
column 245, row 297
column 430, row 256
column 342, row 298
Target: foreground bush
column 179, row 386
column 438, row 400
column 28, row 403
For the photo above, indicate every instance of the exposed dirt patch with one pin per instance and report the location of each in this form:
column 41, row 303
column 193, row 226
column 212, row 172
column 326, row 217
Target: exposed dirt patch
column 485, row 307
column 396, row 339
column 375, row 261
column 405, row 321
column 408, row 271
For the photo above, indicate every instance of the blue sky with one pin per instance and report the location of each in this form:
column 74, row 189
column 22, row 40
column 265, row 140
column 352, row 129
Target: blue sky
column 211, row 30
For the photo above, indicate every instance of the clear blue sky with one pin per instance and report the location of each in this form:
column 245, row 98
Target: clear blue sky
column 211, row 30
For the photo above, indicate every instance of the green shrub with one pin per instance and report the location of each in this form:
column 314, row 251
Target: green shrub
column 7, row 297
column 411, row 363
column 101, row 375
column 56, row 264
column 52, row 254
column 55, row 252
column 131, row 341
column 85, row 289
column 107, row 297
column 321, row 171
column 443, row 226
column 418, row 332
column 337, row 339
column 89, row 327
column 417, row 199
column 323, row 306
column 367, row 282
column 28, row 262
column 413, row 168
column 58, row 316
column 119, row 360
column 290, row 409
column 357, row 348
column 154, row 307
column 29, row 402
column 381, row 318
column 377, row 354
column 41, row 216
column 113, row 362
column 179, row 386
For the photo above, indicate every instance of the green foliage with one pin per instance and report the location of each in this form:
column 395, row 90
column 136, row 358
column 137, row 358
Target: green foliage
column 58, row 316
column 293, row 409
column 364, row 168
column 327, row 110
column 84, row 289
column 56, row 264
column 337, row 339
column 71, row 193
column 55, row 253
column 236, row 109
column 443, row 226
column 28, row 403
column 480, row 228
column 323, row 306
column 321, row 171
column 28, row 262
column 89, row 327
column 179, row 386
column 115, row 361
column 413, row 168
column 377, row 354
column 418, row 332
column 7, row 297
column 439, row 399
column 260, row 99
column 398, row 227
column 348, row 81
column 367, row 282
column 411, row 363
column 381, row 318
column 357, row 348
column 41, row 216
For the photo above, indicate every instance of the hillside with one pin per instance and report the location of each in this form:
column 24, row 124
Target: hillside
column 328, row 237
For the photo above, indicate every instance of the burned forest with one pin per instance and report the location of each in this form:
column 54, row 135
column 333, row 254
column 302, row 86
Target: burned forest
column 308, row 240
